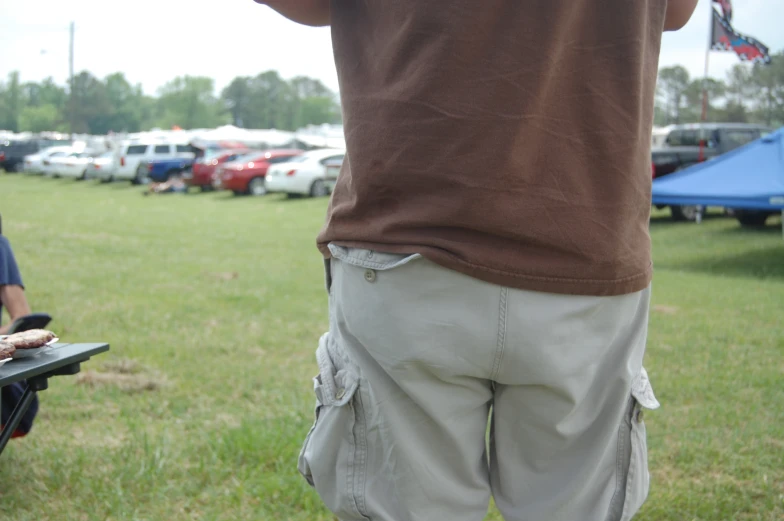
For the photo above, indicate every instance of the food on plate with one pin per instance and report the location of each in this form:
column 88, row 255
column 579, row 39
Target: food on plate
column 6, row 350
column 30, row 339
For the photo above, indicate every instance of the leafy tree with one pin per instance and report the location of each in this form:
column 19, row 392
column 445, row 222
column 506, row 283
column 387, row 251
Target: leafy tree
column 768, row 85
column 41, row 118
column 10, row 103
column 90, row 105
column 672, row 87
column 237, row 100
column 189, row 102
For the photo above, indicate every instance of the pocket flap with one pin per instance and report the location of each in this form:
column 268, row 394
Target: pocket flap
column 335, row 385
column 643, row 392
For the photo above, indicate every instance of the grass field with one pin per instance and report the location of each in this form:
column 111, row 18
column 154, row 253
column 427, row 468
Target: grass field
column 213, row 306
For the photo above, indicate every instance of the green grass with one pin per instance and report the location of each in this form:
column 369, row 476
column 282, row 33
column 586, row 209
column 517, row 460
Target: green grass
column 213, row 306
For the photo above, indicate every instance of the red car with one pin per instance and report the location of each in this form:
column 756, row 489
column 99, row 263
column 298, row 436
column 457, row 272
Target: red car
column 204, row 167
column 246, row 174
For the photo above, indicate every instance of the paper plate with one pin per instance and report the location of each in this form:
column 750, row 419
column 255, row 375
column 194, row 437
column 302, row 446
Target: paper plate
column 27, row 353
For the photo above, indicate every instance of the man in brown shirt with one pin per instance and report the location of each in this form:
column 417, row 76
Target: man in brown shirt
column 488, row 256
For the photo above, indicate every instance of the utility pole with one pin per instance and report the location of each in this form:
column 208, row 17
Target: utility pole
column 71, row 82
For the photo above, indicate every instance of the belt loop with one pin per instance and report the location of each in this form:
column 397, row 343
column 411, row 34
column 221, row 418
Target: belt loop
column 328, row 274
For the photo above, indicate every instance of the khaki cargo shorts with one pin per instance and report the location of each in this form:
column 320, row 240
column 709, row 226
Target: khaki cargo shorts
column 436, row 390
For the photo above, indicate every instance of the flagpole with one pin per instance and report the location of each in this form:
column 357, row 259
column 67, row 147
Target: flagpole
column 704, row 117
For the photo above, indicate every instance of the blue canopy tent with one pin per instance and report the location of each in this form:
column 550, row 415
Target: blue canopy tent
column 748, row 178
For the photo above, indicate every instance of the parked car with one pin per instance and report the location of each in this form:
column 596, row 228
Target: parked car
column 246, row 174
column 101, row 167
column 160, row 170
column 13, row 152
column 131, row 154
column 72, row 165
column 331, row 171
column 687, row 145
column 50, row 165
column 201, row 173
column 34, row 163
column 304, row 175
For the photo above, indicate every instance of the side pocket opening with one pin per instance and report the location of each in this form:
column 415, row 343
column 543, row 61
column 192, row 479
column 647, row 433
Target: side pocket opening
column 633, row 452
column 332, row 459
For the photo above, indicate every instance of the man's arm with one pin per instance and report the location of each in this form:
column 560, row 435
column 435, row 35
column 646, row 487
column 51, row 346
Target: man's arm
column 314, row 13
column 678, row 13
column 14, row 300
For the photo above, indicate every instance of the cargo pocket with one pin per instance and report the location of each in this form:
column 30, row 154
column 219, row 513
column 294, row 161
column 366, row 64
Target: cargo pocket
column 634, row 479
column 334, row 456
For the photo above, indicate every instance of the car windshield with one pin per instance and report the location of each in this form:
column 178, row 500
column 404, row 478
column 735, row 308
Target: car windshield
column 212, row 153
column 296, row 159
column 247, row 158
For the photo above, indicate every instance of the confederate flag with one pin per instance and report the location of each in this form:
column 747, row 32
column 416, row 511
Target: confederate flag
column 725, row 38
column 726, row 8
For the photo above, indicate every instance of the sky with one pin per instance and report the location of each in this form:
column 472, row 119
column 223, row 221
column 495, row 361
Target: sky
column 153, row 41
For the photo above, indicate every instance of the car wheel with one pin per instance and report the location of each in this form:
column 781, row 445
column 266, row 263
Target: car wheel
column 684, row 213
column 687, row 212
column 141, row 176
column 319, row 189
column 257, row 187
column 746, row 218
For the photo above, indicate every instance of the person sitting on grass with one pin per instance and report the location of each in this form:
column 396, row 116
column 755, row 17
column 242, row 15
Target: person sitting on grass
column 174, row 184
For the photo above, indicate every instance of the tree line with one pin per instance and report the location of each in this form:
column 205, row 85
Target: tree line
column 749, row 94
column 112, row 104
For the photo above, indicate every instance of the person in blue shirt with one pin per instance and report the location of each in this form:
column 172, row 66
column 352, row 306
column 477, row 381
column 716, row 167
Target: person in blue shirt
column 12, row 295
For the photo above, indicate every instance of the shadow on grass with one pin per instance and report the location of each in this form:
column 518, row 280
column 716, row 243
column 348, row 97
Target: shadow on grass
column 772, row 227
column 760, row 263
column 666, row 219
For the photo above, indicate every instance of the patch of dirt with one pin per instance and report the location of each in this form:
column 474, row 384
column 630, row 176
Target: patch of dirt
column 667, row 310
column 130, row 383
column 122, row 366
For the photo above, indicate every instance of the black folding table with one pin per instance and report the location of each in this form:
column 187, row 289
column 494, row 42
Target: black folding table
column 61, row 359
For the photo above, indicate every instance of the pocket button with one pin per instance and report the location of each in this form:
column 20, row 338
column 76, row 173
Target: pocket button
column 370, row 275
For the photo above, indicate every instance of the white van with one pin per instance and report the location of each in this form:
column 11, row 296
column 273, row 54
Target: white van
column 131, row 153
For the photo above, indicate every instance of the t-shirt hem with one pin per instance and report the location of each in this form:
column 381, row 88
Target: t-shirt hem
column 517, row 280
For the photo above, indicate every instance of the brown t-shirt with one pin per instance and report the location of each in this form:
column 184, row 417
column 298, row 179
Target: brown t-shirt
column 506, row 139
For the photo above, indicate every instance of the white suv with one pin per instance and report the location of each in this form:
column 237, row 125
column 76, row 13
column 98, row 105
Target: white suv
column 131, row 153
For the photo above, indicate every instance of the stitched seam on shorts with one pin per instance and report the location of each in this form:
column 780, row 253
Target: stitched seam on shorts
column 619, row 453
column 632, row 465
column 361, row 457
column 501, row 341
column 352, row 461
